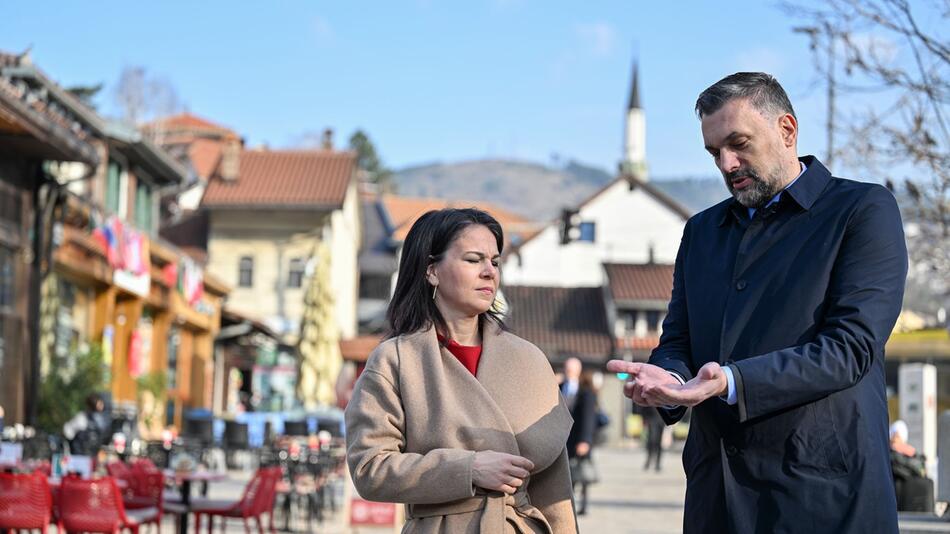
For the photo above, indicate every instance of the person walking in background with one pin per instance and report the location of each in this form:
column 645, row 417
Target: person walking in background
column 915, row 492
column 783, row 299
column 88, row 429
column 453, row 415
column 653, row 426
column 580, row 396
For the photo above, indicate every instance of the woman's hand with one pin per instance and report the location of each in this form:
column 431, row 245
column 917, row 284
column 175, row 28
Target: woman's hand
column 498, row 471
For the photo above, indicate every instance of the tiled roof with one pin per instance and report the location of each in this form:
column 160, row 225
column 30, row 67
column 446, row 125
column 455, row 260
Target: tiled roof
column 186, row 121
column 561, row 321
column 404, row 211
column 285, row 179
column 630, row 281
column 358, row 348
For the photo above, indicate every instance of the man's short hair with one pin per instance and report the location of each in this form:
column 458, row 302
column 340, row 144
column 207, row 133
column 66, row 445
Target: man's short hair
column 761, row 89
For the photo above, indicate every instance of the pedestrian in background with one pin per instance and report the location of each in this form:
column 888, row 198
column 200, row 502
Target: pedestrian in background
column 453, row 415
column 88, row 429
column 581, row 398
column 653, row 427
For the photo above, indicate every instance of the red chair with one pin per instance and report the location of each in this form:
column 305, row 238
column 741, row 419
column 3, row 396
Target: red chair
column 25, row 501
column 96, row 506
column 257, row 499
column 144, row 464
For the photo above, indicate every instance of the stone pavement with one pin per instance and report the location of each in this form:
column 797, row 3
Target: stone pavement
column 627, row 500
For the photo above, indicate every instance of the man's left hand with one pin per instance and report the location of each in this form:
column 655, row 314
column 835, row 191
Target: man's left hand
column 710, row 381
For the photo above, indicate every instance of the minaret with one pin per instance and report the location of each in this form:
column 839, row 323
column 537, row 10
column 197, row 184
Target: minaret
column 635, row 153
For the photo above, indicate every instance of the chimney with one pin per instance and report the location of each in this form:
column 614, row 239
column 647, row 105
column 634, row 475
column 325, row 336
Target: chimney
column 327, row 142
column 230, row 159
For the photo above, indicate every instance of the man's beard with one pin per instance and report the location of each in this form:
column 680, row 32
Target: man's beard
column 756, row 194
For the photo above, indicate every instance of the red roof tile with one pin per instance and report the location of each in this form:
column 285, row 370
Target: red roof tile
column 186, row 121
column 404, row 211
column 629, row 281
column 285, row 178
column 561, row 321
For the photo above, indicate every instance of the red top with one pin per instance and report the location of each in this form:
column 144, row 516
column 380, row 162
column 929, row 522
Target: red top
column 467, row 355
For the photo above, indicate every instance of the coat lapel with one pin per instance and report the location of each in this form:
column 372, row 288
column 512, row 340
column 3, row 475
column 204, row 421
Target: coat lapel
column 522, row 385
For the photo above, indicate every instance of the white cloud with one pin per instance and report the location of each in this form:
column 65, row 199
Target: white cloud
column 599, row 38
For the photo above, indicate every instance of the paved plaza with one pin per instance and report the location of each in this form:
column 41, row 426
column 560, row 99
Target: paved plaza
column 628, row 500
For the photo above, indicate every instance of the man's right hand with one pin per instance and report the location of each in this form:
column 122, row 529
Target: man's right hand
column 643, row 381
column 497, row 471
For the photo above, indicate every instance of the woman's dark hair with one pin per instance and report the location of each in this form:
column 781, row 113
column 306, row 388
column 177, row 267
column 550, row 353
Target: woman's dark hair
column 412, row 307
column 92, row 402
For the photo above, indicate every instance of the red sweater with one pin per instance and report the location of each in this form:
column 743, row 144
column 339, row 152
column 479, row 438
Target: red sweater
column 467, row 355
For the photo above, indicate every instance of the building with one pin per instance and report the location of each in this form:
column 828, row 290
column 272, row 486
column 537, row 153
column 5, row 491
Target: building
column 35, row 128
column 636, row 298
column 102, row 275
column 628, row 221
column 267, row 212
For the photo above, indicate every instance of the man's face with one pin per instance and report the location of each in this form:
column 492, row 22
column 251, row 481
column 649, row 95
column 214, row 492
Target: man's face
column 572, row 368
column 748, row 149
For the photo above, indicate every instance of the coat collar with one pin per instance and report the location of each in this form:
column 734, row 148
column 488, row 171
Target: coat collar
column 514, row 386
column 804, row 192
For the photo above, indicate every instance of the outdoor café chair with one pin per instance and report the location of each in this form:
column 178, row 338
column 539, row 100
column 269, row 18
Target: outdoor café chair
column 25, row 501
column 96, row 506
column 257, row 499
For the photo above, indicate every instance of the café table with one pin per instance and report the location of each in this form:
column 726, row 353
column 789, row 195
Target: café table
column 183, row 480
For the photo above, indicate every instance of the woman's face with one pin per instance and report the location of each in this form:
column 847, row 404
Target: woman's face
column 467, row 275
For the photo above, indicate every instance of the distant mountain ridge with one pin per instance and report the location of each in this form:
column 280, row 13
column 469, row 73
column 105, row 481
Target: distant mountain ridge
column 533, row 190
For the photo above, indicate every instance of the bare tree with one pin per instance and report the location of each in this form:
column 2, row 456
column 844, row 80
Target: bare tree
column 891, row 60
column 141, row 97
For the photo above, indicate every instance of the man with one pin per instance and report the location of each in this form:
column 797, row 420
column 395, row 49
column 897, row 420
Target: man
column 783, row 299
column 582, row 401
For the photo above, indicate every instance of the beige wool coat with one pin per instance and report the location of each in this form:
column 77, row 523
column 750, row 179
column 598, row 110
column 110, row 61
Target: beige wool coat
column 417, row 417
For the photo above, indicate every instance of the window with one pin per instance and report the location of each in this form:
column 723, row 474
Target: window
column 588, row 232
column 653, row 320
column 295, row 276
column 143, row 207
column 113, row 187
column 246, row 272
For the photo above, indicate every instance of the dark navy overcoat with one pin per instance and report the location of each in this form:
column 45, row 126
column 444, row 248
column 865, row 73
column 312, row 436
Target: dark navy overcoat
column 799, row 301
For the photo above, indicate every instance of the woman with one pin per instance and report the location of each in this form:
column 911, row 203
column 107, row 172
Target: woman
column 454, row 416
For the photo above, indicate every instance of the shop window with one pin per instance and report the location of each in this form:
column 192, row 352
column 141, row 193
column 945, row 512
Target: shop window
column 295, row 276
column 246, row 272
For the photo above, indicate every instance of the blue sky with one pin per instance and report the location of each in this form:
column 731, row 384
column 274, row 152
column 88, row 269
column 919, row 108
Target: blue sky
column 430, row 80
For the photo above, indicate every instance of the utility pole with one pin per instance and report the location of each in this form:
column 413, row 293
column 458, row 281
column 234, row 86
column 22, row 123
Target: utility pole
column 823, row 39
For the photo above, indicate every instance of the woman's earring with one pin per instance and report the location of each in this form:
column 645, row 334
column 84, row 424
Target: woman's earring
column 434, row 289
